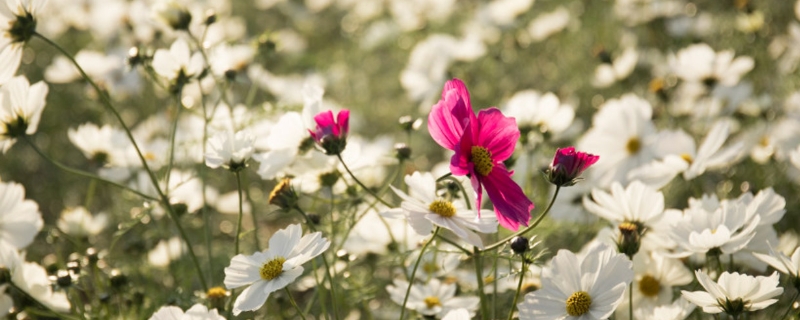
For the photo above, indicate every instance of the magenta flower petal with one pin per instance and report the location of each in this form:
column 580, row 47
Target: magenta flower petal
column 331, row 134
column 567, row 166
column 498, row 133
column 343, row 121
column 450, row 116
column 511, row 205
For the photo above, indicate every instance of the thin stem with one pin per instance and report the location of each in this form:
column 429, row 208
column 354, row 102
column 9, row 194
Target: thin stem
column 203, row 170
column 529, row 228
column 453, row 243
column 414, row 272
column 368, row 190
column 519, row 288
column 165, row 201
column 791, row 302
column 172, row 138
column 294, row 304
column 241, row 213
column 630, row 300
column 328, row 273
column 81, row 172
column 476, row 256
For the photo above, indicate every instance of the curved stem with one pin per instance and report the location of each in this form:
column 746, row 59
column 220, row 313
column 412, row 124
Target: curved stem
column 165, row 201
column 519, row 288
column 361, row 184
column 414, row 272
column 294, row 304
column 529, row 228
column 81, row 172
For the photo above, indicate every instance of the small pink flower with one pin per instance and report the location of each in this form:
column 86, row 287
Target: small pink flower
column 481, row 144
column 568, row 165
column 331, row 134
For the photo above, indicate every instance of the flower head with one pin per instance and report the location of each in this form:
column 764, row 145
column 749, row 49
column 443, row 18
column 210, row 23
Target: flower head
column 177, row 64
column 330, row 133
column 21, row 106
column 229, row 150
column 20, row 219
column 17, row 26
column 481, row 144
column 734, row 293
column 568, row 165
column 196, row 312
column 435, row 298
column 274, row 268
column 575, row 288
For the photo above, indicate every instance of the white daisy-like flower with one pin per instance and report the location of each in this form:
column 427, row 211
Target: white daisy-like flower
column 536, row 112
column 166, row 251
column 734, row 293
column 21, row 106
column 104, row 145
column 33, row 279
column 196, row 312
column 228, row 60
column 781, row 262
column 611, row 71
column 272, row 269
column 548, row 24
column 636, row 203
column 20, row 219
column 17, row 26
column 178, row 64
column 79, row 222
column 434, row 298
column 726, row 230
column 655, row 276
column 677, row 310
column 230, row 151
column 699, row 63
column 580, row 288
column 423, row 209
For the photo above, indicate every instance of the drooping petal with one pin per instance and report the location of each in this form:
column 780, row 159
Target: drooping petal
column 251, row 298
column 511, row 205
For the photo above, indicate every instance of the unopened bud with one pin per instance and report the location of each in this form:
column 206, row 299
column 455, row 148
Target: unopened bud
column 519, row 245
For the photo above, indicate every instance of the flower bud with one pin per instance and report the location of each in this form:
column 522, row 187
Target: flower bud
column 283, row 195
column 331, row 134
column 519, row 245
column 630, row 238
column 402, row 151
column 568, row 165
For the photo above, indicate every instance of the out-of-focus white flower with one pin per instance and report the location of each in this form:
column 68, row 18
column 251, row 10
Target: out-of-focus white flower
column 414, row 14
column 196, row 312
column 624, row 137
column 32, row 278
column 20, row 219
column 230, row 151
column 539, row 113
column 17, row 25
column 505, row 12
column 782, row 263
column 607, row 73
column 547, row 24
column 635, row 12
column 228, row 60
column 683, row 156
column 699, row 63
column 97, row 66
column 178, row 64
column 580, row 288
column 423, row 209
column 173, row 14
column 79, row 222
column 677, row 310
column 458, row 314
column 105, row 144
column 734, row 293
column 431, row 299
column 655, row 277
column 21, row 106
column 776, row 139
column 272, row 269
column 166, row 251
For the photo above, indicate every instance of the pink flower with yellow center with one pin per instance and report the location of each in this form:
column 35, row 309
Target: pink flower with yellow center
column 481, row 144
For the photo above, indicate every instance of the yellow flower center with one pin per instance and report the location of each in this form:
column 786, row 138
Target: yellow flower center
column 482, row 159
column 488, row 279
column 430, row 267
column 578, row 303
column 272, row 269
column 633, row 145
column 431, row 302
column 443, row 208
column 764, row 142
column 216, row 293
column 687, row 157
column 649, row 286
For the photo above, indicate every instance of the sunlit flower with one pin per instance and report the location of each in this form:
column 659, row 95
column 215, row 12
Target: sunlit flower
column 21, row 106
column 103, row 145
column 166, row 251
column 20, row 219
column 548, row 24
column 734, row 293
column 17, row 26
column 33, row 279
column 481, row 144
column 611, row 71
column 172, row 14
column 580, row 288
column 636, row 203
column 79, row 222
column 538, row 114
column 230, row 151
column 423, row 209
column 330, row 133
column 567, row 166
column 272, row 269
column 699, row 63
column 434, row 298
column 178, row 64
column 782, row 263
column 725, row 230
column 655, row 277
column 677, row 310
column 196, row 312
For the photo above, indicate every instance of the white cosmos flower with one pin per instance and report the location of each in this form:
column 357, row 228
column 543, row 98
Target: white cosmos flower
column 177, row 63
column 166, row 251
column 17, row 24
column 33, row 279
column 580, row 288
column 734, row 292
column 655, row 277
column 105, row 144
column 677, row 310
column 699, row 63
column 196, row 312
column 229, row 150
column 726, row 229
column 782, row 263
column 536, row 112
column 79, row 222
column 21, row 106
column 548, row 23
column 637, row 203
column 434, row 298
column 618, row 69
column 272, row 269
column 20, row 219
column 423, row 209
column 683, row 157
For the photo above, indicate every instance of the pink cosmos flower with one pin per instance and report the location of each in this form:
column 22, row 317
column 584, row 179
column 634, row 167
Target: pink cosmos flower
column 481, row 144
column 331, row 134
column 568, row 165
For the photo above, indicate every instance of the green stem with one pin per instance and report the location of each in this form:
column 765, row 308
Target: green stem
column 172, row 139
column 328, row 273
column 368, row 190
column 414, row 272
column 87, row 201
column 294, row 304
column 203, row 170
column 241, row 214
column 81, row 172
column 476, row 256
column 165, row 201
column 529, row 228
column 791, row 302
column 630, row 300
column 453, row 243
column 519, row 288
